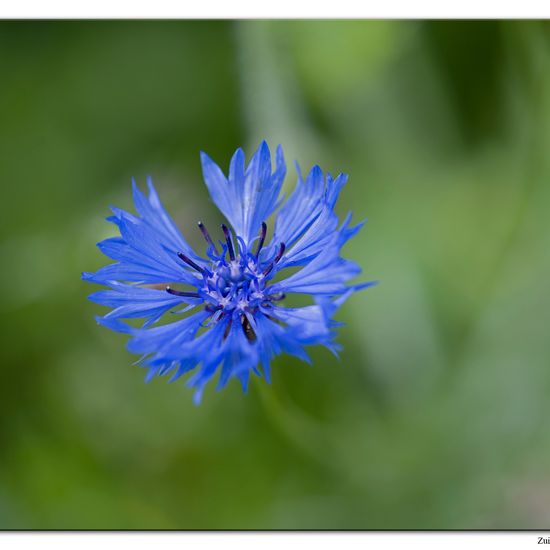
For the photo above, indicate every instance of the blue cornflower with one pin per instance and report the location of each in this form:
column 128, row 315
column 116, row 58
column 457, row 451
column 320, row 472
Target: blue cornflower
column 232, row 316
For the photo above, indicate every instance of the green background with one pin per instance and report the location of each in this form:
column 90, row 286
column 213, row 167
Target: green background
column 437, row 414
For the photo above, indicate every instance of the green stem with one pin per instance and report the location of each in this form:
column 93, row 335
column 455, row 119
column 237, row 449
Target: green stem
column 303, row 432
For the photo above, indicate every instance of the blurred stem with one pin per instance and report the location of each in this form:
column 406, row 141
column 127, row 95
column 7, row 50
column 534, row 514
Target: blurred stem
column 272, row 105
column 304, row 433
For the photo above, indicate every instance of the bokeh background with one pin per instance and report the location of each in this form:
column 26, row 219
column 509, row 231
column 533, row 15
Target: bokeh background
column 437, row 415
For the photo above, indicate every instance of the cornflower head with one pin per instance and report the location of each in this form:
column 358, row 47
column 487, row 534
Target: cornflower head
column 231, row 313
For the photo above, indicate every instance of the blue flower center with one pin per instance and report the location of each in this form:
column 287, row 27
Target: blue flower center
column 235, row 283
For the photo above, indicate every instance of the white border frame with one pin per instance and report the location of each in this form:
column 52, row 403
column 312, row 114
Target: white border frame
column 272, row 541
column 296, row 9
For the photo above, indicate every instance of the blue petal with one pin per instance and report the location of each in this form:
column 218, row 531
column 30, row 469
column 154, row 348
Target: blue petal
column 261, row 189
column 318, row 236
column 250, row 195
column 306, row 223
column 130, row 301
column 153, row 213
column 131, row 273
column 147, row 249
column 137, row 259
column 301, row 208
column 325, row 275
column 166, row 340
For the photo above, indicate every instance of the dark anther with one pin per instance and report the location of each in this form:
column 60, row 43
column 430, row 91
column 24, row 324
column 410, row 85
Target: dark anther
column 228, row 241
column 280, row 253
column 268, row 269
column 179, row 293
column 247, row 329
column 277, row 297
column 263, row 232
column 190, row 262
column 207, row 236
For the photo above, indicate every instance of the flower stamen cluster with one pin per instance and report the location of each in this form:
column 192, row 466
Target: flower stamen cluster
column 236, row 282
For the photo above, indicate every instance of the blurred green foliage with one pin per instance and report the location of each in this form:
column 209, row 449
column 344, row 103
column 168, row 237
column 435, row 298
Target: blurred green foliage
column 437, row 415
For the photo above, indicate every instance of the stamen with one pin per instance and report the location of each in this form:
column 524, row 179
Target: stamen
column 247, row 329
column 207, row 236
column 190, row 262
column 180, row 293
column 277, row 297
column 268, row 269
column 280, row 253
column 263, row 232
column 227, row 329
column 227, row 235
